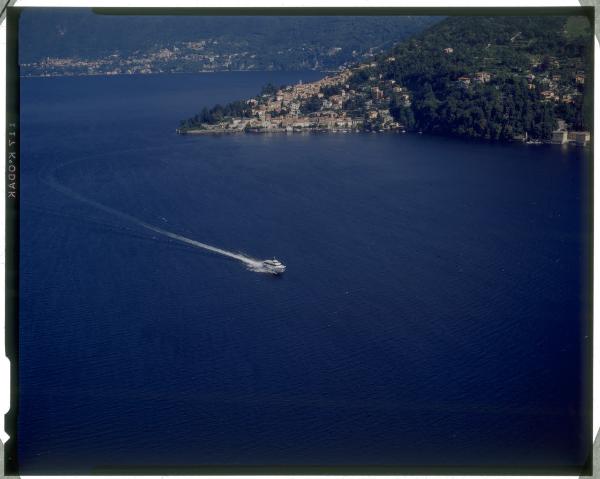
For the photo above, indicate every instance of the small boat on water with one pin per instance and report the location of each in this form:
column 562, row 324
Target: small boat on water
column 273, row 266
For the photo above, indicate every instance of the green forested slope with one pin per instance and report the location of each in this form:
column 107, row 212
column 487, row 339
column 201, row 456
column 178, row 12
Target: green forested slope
column 539, row 73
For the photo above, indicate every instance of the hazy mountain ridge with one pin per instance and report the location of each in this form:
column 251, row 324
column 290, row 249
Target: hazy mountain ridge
column 77, row 41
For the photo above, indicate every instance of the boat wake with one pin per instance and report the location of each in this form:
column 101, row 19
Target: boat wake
column 252, row 264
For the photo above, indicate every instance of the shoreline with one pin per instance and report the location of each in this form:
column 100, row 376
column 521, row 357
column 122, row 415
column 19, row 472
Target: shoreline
column 266, row 132
column 306, row 131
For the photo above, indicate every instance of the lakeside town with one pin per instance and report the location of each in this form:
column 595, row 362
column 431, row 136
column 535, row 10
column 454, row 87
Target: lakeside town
column 323, row 105
column 339, row 103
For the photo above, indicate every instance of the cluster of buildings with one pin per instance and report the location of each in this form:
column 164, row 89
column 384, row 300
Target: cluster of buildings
column 552, row 88
column 562, row 135
column 549, row 79
column 329, row 104
column 556, row 89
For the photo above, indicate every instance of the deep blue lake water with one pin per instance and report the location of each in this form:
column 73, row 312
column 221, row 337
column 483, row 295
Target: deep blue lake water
column 433, row 311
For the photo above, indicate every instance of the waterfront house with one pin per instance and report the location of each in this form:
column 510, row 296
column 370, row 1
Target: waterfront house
column 580, row 138
column 559, row 137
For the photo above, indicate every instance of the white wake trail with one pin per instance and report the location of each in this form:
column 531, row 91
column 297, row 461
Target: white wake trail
column 251, row 263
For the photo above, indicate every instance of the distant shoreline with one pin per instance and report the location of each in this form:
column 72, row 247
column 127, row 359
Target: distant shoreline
column 173, row 73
